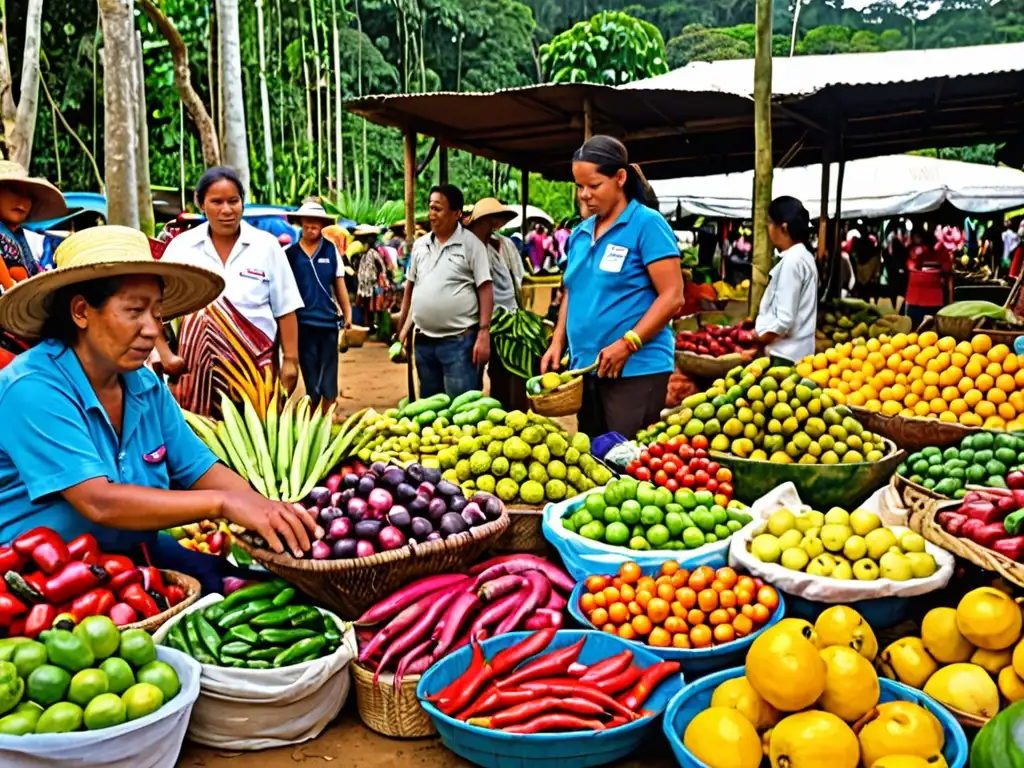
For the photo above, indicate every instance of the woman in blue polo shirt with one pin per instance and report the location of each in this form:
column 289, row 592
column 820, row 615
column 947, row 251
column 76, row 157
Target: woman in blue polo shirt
column 91, row 440
column 622, row 286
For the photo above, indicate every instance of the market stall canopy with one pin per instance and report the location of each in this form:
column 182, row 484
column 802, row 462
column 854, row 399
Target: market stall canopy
column 533, row 213
column 873, row 188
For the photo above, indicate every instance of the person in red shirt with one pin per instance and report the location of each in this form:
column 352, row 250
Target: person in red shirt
column 928, row 277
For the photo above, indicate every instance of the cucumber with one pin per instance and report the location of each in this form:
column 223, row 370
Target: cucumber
column 425, row 418
column 472, row 416
column 466, row 397
column 427, row 404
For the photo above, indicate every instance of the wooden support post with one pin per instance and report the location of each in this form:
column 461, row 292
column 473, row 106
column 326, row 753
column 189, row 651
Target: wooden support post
column 588, row 119
column 410, row 189
column 763, row 249
column 442, row 165
column 839, row 203
column 524, row 188
column 826, row 170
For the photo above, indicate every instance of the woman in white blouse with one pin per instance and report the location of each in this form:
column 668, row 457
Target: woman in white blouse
column 789, row 308
column 257, row 307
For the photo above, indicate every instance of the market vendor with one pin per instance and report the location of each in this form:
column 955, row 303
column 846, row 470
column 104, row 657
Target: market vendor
column 789, row 307
column 622, row 286
column 92, row 441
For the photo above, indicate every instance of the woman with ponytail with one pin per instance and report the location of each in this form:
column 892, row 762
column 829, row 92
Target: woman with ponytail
column 789, row 307
column 622, row 286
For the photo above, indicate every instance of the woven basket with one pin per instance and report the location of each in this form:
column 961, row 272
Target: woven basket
column 912, row 433
column 390, row 713
column 354, row 337
column 960, row 328
column 923, row 515
column 708, row 367
column 192, row 591
column 908, row 490
column 966, row 719
column 524, row 532
column 998, row 335
column 565, row 400
column 349, row 587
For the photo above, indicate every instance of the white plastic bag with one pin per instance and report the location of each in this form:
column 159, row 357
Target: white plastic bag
column 823, row 589
column 248, row 709
column 153, row 741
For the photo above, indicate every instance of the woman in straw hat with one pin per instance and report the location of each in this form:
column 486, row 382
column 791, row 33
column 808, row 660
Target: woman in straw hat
column 22, row 199
column 320, row 274
column 372, row 282
column 114, row 438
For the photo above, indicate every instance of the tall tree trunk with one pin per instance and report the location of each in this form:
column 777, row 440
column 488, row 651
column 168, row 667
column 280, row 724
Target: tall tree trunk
column 118, row 97
column 19, row 136
column 359, row 52
column 144, row 190
column 305, row 80
column 762, row 256
column 316, row 96
column 8, row 107
column 183, row 82
column 233, row 139
column 339, row 144
column 268, row 141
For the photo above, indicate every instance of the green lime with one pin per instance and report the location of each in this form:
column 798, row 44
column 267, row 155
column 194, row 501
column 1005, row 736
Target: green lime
column 630, row 512
column 628, row 488
column 47, row 684
column 137, row 648
column 704, row 498
column 87, row 685
column 657, row 536
column 704, row 519
column 119, row 675
column 651, row 515
column 686, row 498
column 639, row 543
column 142, row 699
column 19, row 723
column 617, row 534
column 719, row 515
column 28, row 656
column 693, row 538
column 596, row 504
column 612, row 515
column 105, row 711
column 101, row 634
column 581, row 518
column 674, row 523
column 646, row 494
column 62, row 717
column 594, row 530
column 662, row 497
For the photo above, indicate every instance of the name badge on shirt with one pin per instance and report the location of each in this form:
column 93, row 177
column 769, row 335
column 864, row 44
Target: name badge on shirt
column 155, row 457
column 613, row 259
column 323, row 261
column 254, row 274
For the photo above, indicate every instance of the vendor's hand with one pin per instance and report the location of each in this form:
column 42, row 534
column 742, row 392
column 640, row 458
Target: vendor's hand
column 289, row 375
column 482, row 347
column 552, row 359
column 403, row 336
column 348, row 324
column 280, row 523
column 175, row 366
column 612, row 359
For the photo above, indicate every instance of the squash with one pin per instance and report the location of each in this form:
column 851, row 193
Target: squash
column 1000, row 744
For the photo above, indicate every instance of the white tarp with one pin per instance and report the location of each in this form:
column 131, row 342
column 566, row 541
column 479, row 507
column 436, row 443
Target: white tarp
column 875, row 187
column 533, row 213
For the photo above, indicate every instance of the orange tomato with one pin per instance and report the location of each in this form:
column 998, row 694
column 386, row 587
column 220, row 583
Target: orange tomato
column 659, row 638
column 627, row 593
column 724, row 475
column 701, row 577
column 680, row 577
column 618, row 613
column 597, row 583
column 626, row 632
column 721, row 616
column 727, row 598
column 630, row 572
column 746, row 582
column 646, row 584
column 587, row 603
column 616, row 582
column 724, row 633
column 600, row 600
column 687, row 597
column 748, row 611
column 707, row 600
column 743, row 595
column 678, row 609
column 634, row 608
column 611, row 595
column 733, row 613
column 666, row 592
column 695, row 617
column 643, row 597
column 768, row 597
column 662, row 580
column 657, row 610
column 675, row 624
column 700, row 637
column 761, row 614
column 727, row 576
column 611, row 629
column 641, row 625
column 680, row 641
column 669, row 567
column 743, row 626
column 599, row 617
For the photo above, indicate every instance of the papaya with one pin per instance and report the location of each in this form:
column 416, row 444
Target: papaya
column 1000, row 744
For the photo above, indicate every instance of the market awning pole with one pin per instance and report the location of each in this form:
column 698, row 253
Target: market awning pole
column 442, row 165
column 524, row 189
column 588, row 119
column 826, row 171
column 762, row 256
column 410, row 189
column 835, row 275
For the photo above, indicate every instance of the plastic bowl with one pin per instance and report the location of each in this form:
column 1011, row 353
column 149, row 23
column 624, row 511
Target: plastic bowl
column 495, row 749
column 696, row 662
column 880, row 612
column 696, row 697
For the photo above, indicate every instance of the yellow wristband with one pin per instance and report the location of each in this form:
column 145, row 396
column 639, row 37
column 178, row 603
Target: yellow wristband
column 633, row 339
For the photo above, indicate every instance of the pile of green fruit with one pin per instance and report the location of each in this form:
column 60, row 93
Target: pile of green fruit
column 260, row 626
column 520, row 339
column 548, row 382
column 842, row 545
column 983, row 458
column 524, row 458
column 90, row 678
column 771, row 414
column 643, row 516
column 840, row 321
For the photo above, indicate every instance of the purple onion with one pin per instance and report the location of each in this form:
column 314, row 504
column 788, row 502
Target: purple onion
column 421, row 528
column 473, row 515
column 426, row 489
column 378, row 467
column 380, row 501
column 348, row 493
column 448, row 489
column 232, row 584
column 390, row 538
column 434, row 536
column 399, row 516
column 320, row 550
column 457, row 504
column 451, row 524
column 367, row 530
column 432, row 475
column 356, row 509
column 344, row 549
column 341, row 528
column 418, row 506
column 333, row 483
column 366, row 485
column 436, row 509
column 338, row 499
column 405, row 493
column 392, row 477
column 364, row 549
column 349, row 481
column 319, row 497
column 415, row 473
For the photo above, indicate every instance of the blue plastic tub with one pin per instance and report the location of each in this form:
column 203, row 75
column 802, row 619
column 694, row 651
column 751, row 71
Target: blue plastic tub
column 696, row 662
column 495, row 749
column 696, row 697
column 880, row 613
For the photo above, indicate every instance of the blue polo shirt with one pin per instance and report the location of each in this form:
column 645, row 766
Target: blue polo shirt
column 315, row 277
column 55, row 435
column 610, row 290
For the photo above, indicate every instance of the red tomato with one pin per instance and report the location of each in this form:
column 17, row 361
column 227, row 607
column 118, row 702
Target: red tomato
column 632, row 467
column 670, row 467
column 689, row 481
column 670, row 457
column 675, row 444
column 655, row 465
column 643, row 474
column 700, row 453
column 724, row 475
column 713, row 467
column 701, row 477
column 660, row 477
column 725, row 489
column 656, row 450
column 712, row 485
column 645, row 458
column 700, row 443
column 685, row 453
column 672, row 484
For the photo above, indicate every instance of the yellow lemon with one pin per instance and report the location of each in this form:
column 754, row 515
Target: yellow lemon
column 928, row 338
column 971, row 420
column 890, row 408
column 989, row 618
column 981, row 343
column 901, row 728
column 721, row 737
column 786, row 669
column 998, row 353
column 740, row 695
column 996, row 396
column 851, row 684
column 811, row 740
column 1006, row 383
column 948, row 417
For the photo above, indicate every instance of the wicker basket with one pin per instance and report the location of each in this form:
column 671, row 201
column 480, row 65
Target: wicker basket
column 912, row 433
column 349, row 587
column 354, row 337
column 923, row 513
column 396, row 714
column 908, row 490
column 524, row 532
column 565, row 400
column 966, row 719
column 708, row 367
column 192, row 591
column 998, row 335
column 960, row 328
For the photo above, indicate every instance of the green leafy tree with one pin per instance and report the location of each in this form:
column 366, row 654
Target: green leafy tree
column 611, row 48
column 698, row 43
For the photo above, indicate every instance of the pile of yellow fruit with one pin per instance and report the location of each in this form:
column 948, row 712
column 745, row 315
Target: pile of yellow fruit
column 974, row 383
column 804, row 689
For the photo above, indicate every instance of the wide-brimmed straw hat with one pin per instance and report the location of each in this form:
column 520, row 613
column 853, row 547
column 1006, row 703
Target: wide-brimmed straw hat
column 366, row 230
column 310, row 210
column 108, row 251
column 490, row 206
column 47, row 200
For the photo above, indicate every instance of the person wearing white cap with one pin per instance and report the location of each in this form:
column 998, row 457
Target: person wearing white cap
column 320, row 276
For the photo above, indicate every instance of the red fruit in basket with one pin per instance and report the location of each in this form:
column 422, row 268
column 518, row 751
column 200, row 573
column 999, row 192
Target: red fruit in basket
column 670, row 467
column 701, row 477
column 643, row 474
column 645, row 457
column 713, row 467
column 672, row 484
column 712, row 485
column 655, row 464
column 656, row 450
column 725, row 489
column 660, row 477
column 685, row 453
column 689, row 481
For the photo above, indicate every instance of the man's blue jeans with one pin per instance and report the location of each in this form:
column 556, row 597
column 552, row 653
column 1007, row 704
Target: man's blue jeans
column 446, row 365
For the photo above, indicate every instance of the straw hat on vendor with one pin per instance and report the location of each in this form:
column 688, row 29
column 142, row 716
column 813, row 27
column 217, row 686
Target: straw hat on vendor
column 104, row 252
column 47, row 200
column 492, row 209
column 311, row 209
column 488, row 218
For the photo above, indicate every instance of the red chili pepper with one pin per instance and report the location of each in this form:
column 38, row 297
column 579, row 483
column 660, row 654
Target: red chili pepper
column 650, row 680
column 452, row 688
column 153, row 580
column 577, row 670
column 556, row 722
column 548, row 665
column 531, row 709
column 85, row 548
column 625, row 680
column 29, row 540
column 73, row 580
column 508, row 659
column 10, row 560
column 39, row 619
column 51, row 556
column 17, row 628
column 11, row 607
column 493, row 699
column 96, row 602
column 139, row 599
column 115, row 564
column 575, row 689
column 122, row 614
column 608, row 667
column 470, row 684
column 123, row 579
column 174, row 594
column 37, row 581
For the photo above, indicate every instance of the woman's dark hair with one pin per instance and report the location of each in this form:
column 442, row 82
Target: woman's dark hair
column 212, row 176
column 610, row 156
column 791, row 212
column 96, row 293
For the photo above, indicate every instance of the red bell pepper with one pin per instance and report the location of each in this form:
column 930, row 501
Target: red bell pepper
column 73, row 580
column 989, row 534
column 95, row 602
column 29, row 540
column 39, row 619
column 139, row 600
column 17, row 628
column 122, row 614
column 115, row 564
column 11, row 607
column 51, row 556
column 152, row 580
column 85, row 548
column 123, row 579
column 174, row 594
column 1012, row 548
column 10, row 560
column 37, row 581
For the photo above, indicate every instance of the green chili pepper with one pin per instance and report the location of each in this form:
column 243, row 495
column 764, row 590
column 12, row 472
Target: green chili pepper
column 235, row 648
column 333, row 638
column 231, row 661
column 212, row 613
column 266, row 654
column 208, row 635
column 198, row 649
column 257, row 664
column 243, row 633
column 300, row 651
column 284, row 636
column 176, row 639
column 309, row 617
column 263, row 590
column 284, row 597
column 243, row 614
column 278, row 617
